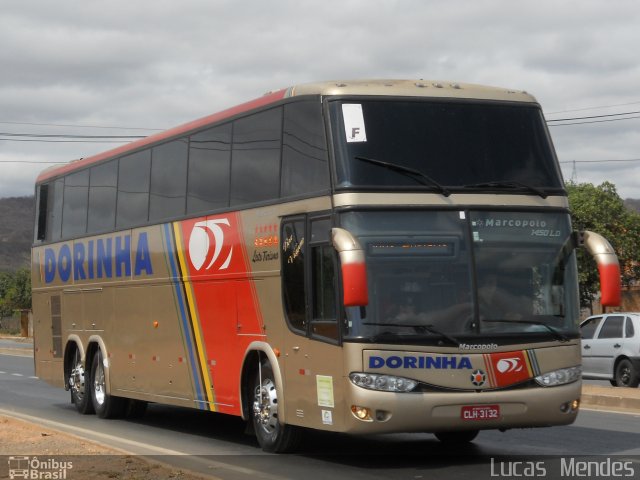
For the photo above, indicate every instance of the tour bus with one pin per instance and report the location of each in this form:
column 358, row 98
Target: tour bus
column 355, row 256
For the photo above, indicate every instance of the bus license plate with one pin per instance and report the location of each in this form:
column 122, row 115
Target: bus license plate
column 480, row 412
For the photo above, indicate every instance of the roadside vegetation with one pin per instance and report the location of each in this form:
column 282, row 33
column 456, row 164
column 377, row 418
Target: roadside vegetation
column 15, row 296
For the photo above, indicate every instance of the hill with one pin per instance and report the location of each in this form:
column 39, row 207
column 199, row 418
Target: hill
column 632, row 204
column 16, row 232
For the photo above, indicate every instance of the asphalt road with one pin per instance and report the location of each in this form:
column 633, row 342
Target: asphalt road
column 216, row 444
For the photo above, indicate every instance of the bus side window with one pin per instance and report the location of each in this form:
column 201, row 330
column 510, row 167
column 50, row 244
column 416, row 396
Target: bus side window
column 75, row 204
column 41, row 217
column 305, row 164
column 103, row 192
column 293, row 273
column 133, row 189
column 324, row 321
column 255, row 158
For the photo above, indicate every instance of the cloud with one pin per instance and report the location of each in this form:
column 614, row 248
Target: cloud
column 126, row 63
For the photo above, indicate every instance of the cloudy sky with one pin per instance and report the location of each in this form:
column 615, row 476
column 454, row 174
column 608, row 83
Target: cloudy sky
column 123, row 67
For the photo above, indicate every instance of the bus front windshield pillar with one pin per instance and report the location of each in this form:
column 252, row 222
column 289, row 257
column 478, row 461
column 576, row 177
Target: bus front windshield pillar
column 354, row 268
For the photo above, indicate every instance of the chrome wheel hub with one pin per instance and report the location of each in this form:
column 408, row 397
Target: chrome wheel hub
column 99, row 384
column 265, row 405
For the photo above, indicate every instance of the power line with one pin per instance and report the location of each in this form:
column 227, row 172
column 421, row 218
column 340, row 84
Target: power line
column 611, row 160
column 79, row 126
column 591, row 108
column 595, row 121
column 61, row 141
column 593, row 116
column 33, row 161
column 44, row 135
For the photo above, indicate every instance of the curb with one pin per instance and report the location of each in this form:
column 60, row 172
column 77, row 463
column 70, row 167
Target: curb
column 617, row 399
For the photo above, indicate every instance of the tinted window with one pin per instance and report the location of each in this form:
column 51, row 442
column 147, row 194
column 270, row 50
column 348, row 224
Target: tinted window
column 76, row 196
column 628, row 328
column 305, row 167
column 54, row 214
column 323, row 272
column 255, row 166
column 168, row 180
column 103, row 181
column 455, row 143
column 612, row 327
column 293, row 291
column 588, row 329
column 133, row 189
column 41, row 216
column 209, row 169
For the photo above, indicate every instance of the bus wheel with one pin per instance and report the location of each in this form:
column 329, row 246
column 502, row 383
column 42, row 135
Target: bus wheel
column 456, row 438
column 78, row 381
column 106, row 406
column 272, row 435
column 626, row 375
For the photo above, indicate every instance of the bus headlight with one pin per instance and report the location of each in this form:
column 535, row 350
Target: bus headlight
column 559, row 377
column 385, row 383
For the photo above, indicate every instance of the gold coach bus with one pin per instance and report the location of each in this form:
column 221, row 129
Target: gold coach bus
column 360, row 257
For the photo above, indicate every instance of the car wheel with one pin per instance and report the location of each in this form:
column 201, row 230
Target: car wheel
column 626, row 375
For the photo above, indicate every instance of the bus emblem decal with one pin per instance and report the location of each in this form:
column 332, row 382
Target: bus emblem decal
column 206, row 242
column 478, row 377
column 509, row 365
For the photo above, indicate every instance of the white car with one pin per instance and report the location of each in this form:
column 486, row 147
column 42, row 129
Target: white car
column 611, row 348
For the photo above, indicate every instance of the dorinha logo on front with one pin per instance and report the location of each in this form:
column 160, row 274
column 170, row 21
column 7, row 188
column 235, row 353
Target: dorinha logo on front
column 38, row 469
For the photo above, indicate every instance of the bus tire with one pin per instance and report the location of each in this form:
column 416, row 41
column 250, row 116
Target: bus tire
column 79, row 385
column 105, row 405
column 273, row 436
column 457, row 438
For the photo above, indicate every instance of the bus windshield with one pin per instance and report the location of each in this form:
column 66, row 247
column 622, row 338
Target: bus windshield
column 455, row 274
column 431, row 145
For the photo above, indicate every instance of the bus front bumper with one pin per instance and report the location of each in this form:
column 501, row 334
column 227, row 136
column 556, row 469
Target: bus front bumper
column 387, row 412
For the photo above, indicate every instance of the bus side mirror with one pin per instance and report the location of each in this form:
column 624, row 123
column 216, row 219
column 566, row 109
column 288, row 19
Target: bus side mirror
column 354, row 268
column 608, row 267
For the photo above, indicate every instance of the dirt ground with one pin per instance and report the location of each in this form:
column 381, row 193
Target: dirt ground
column 88, row 460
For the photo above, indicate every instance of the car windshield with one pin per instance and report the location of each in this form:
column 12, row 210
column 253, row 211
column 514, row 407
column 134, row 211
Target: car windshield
column 456, row 274
column 442, row 146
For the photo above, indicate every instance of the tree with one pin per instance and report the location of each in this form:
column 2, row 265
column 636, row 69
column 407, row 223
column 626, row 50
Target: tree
column 6, row 281
column 600, row 209
column 15, row 292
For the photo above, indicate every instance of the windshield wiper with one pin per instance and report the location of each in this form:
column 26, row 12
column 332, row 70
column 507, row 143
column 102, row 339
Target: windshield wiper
column 514, row 185
column 419, row 327
column 556, row 334
column 423, row 178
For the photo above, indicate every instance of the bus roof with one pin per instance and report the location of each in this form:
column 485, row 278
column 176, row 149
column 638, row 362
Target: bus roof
column 401, row 88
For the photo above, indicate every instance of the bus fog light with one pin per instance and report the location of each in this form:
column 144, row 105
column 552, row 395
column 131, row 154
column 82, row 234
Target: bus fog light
column 384, row 383
column 559, row 377
column 361, row 413
column 570, row 407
